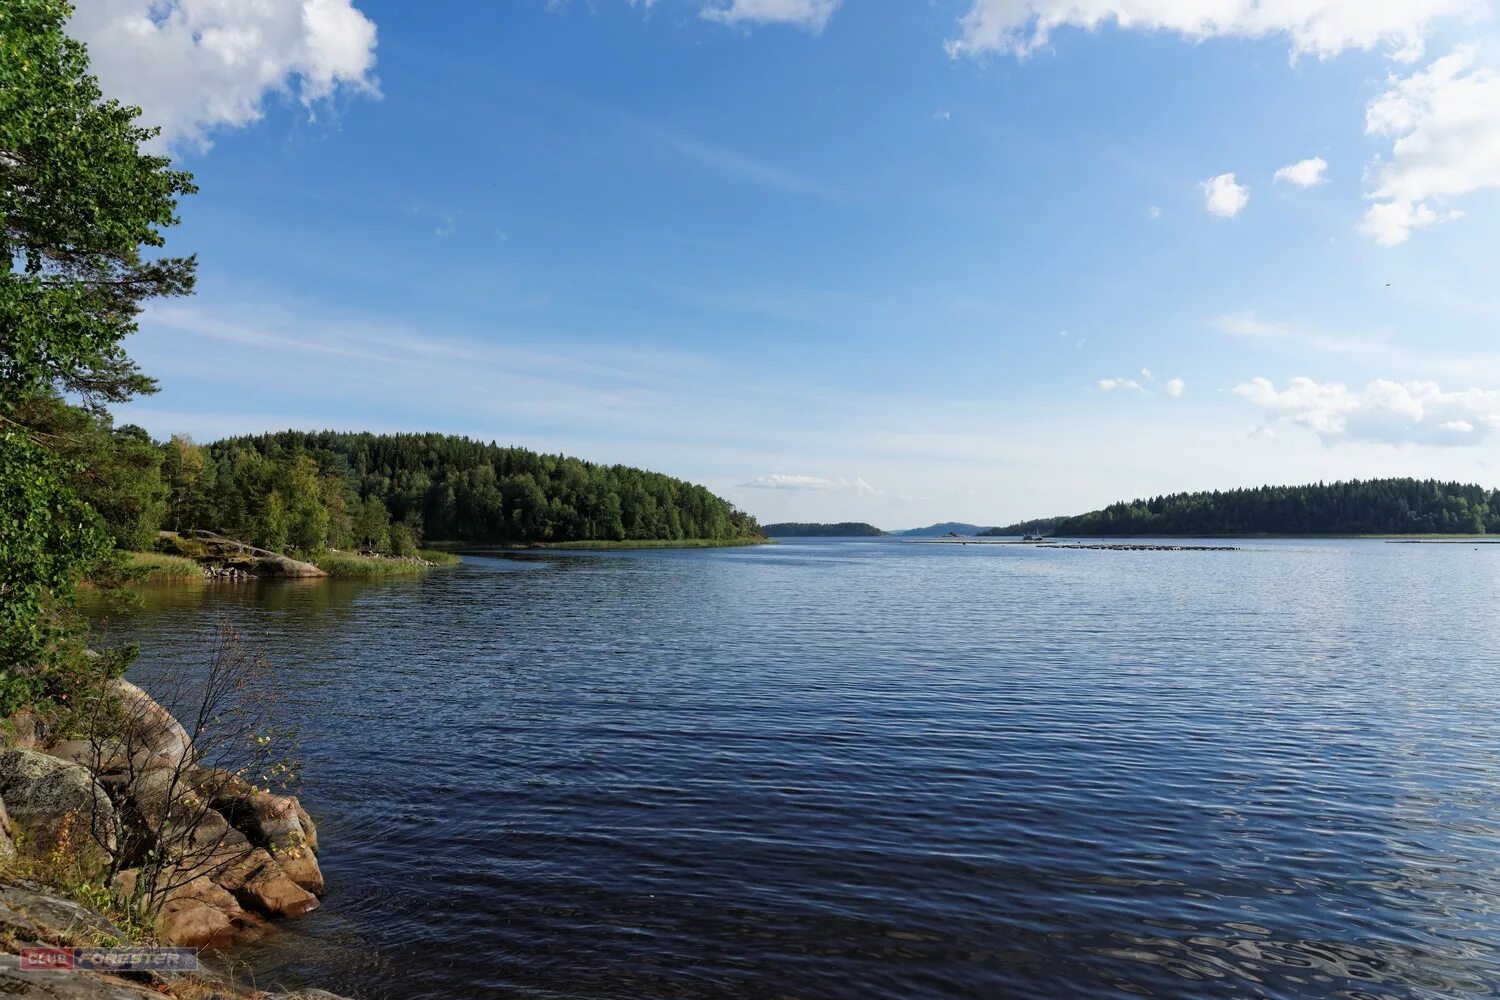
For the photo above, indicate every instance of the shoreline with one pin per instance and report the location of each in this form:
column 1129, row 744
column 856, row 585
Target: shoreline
column 604, row 546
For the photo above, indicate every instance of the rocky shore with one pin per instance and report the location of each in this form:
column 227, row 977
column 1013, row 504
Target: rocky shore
column 242, row 856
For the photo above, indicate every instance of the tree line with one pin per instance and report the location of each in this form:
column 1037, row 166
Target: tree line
column 1368, row 507
column 310, row 492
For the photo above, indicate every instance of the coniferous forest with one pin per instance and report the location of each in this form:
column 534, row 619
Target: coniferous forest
column 1370, row 507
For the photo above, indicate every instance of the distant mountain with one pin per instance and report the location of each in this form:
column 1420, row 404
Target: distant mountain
column 939, row 530
column 844, row 529
column 1036, row 526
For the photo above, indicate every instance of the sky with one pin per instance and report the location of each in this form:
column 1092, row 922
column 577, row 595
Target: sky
column 975, row 260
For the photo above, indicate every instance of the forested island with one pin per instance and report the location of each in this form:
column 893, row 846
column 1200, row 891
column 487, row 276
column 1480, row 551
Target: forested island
column 1357, row 507
column 843, row 529
column 311, row 492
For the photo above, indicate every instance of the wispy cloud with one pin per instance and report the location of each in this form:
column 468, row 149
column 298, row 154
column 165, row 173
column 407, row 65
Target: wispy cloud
column 728, row 162
column 821, row 484
column 810, row 15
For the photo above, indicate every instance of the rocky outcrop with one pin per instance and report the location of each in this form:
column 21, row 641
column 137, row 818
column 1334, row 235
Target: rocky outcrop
column 227, row 558
column 241, row 854
column 32, row 915
column 53, row 801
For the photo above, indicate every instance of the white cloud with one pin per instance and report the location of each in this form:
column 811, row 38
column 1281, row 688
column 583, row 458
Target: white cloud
column 1247, row 324
column 812, row 15
column 1175, row 386
column 780, row 481
column 1444, row 121
column 1322, row 28
column 1153, row 211
column 197, row 65
column 1384, row 411
column 1111, row 384
column 1146, row 374
column 1223, row 197
column 1304, row 173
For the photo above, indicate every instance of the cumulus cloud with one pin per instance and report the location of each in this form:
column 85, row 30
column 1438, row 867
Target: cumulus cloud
column 1384, row 411
column 1223, row 197
column 1175, row 386
column 1111, row 384
column 1303, row 173
column 197, row 65
column 1321, row 28
column 811, row 15
column 779, row 481
column 1247, row 324
column 1444, row 123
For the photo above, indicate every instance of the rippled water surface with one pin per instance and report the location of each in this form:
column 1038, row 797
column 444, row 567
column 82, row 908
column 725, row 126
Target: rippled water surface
column 873, row 769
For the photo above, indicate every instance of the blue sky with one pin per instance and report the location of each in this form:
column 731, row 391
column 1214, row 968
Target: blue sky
column 970, row 259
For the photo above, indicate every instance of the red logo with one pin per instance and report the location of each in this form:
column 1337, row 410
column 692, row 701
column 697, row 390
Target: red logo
column 46, row 959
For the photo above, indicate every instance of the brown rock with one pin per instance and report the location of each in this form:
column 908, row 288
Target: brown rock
column 258, row 882
column 150, row 726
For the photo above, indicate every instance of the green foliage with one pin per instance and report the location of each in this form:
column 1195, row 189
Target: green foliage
column 79, row 202
column 843, row 529
column 48, row 539
column 444, row 487
column 1372, row 507
column 116, row 471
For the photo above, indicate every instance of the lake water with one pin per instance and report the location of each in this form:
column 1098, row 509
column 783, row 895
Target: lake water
column 876, row 769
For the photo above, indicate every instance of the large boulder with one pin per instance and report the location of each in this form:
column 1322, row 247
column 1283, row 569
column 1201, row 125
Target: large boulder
column 149, row 726
column 53, row 801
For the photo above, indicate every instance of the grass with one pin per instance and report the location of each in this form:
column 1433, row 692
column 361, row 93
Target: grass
column 648, row 543
column 159, row 567
column 353, row 565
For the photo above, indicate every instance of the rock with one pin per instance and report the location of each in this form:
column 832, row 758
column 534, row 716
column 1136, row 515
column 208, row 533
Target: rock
column 28, row 912
column 108, row 755
column 151, row 726
column 7, row 837
column 277, row 823
column 197, row 913
column 66, row 985
column 258, row 882
column 49, row 799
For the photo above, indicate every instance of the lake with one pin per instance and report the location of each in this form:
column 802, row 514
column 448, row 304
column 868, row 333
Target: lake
column 880, row 769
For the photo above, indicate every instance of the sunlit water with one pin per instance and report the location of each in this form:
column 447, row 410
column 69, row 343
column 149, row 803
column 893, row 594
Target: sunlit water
column 873, row 769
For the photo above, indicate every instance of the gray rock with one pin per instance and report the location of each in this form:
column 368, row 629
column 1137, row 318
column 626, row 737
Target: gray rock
column 47, row 797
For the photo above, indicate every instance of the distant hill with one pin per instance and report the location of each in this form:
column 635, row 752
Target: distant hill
column 1036, row 526
column 938, row 530
column 1370, row 507
column 844, row 529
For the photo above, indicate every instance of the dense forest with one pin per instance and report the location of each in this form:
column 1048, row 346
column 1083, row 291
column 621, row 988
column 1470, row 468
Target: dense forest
column 1036, row 526
column 843, row 529
column 307, row 493
column 1371, row 507
column 306, row 490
